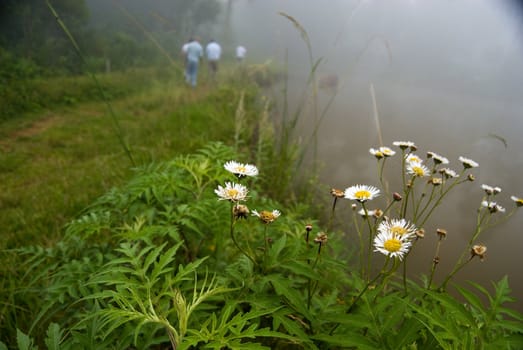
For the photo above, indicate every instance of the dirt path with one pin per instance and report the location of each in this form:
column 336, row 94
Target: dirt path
column 35, row 128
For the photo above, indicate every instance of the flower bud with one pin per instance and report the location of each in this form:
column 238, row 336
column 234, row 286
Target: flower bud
column 397, row 197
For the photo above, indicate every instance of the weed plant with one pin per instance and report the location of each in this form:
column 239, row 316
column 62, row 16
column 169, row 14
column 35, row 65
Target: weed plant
column 191, row 254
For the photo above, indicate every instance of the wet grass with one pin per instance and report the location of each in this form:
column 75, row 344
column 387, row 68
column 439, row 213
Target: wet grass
column 54, row 162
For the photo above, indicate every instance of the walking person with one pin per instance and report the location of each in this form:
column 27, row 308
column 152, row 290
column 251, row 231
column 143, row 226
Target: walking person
column 213, row 51
column 183, row 54
column 193, row 55
column 241, row 51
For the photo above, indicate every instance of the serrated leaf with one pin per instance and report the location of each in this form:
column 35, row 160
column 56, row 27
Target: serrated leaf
column 472, row 299
column 54, row 335
column 23, row 341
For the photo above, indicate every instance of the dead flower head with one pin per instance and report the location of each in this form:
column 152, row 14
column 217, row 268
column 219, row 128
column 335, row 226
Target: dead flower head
column 478, row 250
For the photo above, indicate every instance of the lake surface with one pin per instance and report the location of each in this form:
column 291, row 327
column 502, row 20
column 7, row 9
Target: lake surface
column 447, row 75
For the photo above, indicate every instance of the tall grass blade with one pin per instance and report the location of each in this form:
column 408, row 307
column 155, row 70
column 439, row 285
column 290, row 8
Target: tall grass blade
column 116, row 124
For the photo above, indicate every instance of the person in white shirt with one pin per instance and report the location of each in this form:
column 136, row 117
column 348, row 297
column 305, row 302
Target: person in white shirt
column 183, row 54
column 240, row 53
column 213, row 52
column 193, row 54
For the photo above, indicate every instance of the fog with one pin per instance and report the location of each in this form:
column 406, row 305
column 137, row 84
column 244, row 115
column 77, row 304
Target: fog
column 447, row 75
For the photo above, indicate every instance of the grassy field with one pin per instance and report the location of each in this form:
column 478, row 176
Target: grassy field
column 54, row 162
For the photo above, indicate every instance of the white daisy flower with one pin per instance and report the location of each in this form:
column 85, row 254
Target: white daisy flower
column 412, row 158
column 399, row 227
column 232, row 192
column 490, row 190
column 361, row 193
column 387, row 152
column 448, row 173
column 376, row 153
column 371, row 213
column 391, row 245
column 405, row 144
column 493, row 207
column 267, row 216
column 240, row 169
column 437, row 158
column 468, row 163
column 517, row 200
column 417, row 169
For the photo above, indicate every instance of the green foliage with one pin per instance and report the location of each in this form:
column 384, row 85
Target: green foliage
column 161, row 261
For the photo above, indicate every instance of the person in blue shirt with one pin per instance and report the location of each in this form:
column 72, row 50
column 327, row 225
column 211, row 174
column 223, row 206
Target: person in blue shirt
column 213, row 52
column 194, row 52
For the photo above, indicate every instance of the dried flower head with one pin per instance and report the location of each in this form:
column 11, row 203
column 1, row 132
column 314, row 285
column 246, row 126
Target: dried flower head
column 442, row 233
column 240, row 169
column 232, row 192
column 337, row 193
column 471, row 177
column 266, row 216
column 240, row 211
column 478, row 250
column 436, row 181
column 420, row 233
column 321, row 238
column 308, row 227
column 361, row 193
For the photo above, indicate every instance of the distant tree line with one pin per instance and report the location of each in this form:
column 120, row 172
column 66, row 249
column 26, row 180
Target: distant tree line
column 110, row 33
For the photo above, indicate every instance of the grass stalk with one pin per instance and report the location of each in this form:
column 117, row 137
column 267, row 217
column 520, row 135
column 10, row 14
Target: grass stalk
column 116, row 125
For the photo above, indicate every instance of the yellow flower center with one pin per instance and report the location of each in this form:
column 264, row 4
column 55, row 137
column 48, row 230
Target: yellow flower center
column 232, row 192
column 392, row 245
column 418, row 171
column 241, row 169
column 266, row 216
column 362, row 194
column 398, row 230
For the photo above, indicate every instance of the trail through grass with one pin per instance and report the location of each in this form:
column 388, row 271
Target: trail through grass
column 54, row 163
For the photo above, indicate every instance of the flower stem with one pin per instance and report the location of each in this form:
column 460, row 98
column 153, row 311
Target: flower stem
column 233, row 221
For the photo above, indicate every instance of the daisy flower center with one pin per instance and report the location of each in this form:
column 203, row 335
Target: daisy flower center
column 232, row 192
column 241, row 169
column 392, row 245
column 418, row 171
column 362, row 194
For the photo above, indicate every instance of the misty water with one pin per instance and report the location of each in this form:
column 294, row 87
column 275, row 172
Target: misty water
column 447, row 75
